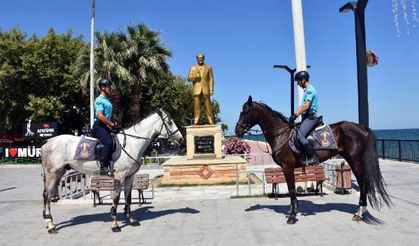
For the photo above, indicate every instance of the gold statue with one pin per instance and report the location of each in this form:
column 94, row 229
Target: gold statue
column 203, row 87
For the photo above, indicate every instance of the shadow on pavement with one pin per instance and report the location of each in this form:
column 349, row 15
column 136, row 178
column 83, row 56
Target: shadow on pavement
column 308, row 208
column 371, row 220
column 147, row 214
column 142, row 214
column 10, row 188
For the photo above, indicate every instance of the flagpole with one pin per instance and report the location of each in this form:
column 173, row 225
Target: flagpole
column 92, row 43
column 299, row 43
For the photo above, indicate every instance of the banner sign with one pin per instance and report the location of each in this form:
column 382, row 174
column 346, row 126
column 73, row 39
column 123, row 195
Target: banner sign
column 40, row 130
column 22, row 152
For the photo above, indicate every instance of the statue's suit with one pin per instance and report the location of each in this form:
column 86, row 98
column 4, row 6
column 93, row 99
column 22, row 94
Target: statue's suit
column 203, row 86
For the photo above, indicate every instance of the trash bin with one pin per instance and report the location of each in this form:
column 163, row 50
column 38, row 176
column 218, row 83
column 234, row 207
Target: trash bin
column 343, row 178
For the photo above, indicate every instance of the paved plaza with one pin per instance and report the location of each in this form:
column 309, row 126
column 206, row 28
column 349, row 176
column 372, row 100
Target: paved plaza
column 206, row 215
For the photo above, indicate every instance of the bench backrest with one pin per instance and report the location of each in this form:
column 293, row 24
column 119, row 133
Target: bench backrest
column 101, row 182
column 312, row 173
column 106, row 183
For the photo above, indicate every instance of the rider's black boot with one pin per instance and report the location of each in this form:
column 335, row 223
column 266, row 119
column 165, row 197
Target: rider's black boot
column 105, row 169
column 312, row 159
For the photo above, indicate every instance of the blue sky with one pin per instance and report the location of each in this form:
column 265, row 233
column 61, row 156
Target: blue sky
column 242, row 39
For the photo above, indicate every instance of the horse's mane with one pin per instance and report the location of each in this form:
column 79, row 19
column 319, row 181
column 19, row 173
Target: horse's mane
column 143, row 117
column 274, row 112
column 156, row 111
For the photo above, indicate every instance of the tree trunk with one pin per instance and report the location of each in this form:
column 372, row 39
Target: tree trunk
column 115, row 98
column 134, row 109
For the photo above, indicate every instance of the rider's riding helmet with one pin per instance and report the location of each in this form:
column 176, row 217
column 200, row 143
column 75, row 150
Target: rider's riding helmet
column 104, row 82
column 302, row 75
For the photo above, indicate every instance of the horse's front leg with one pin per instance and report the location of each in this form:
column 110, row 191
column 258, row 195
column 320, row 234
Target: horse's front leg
column 127, row 209
column 117, row 187
column 289, row 176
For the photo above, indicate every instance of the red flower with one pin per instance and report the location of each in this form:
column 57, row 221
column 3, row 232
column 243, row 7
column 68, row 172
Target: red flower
column 236, row 146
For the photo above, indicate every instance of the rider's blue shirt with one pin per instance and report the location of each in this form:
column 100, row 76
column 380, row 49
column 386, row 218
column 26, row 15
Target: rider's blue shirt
column 103, row 104
column 310, row 94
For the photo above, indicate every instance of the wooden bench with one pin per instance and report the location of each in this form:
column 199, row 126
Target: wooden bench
column 275, row 176
column 105, row 183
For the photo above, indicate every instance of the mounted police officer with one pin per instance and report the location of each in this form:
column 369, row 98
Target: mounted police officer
column 308, row 111
column 102, row 125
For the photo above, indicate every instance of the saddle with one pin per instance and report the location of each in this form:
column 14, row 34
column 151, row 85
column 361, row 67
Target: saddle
column 90, row 149
column 321, row 138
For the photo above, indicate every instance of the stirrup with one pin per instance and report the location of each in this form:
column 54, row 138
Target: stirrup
column 106, row 171
column 110, row 172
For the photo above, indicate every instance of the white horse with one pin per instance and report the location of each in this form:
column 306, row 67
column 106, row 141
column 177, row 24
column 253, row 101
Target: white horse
column 58, row 153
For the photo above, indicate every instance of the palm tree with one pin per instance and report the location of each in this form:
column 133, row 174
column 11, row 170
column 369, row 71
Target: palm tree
column 145, row 58
column 109, row 64
column 130, row 60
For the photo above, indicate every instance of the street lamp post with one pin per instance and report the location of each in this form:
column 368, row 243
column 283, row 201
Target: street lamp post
column 359, row 11
column 292, row 72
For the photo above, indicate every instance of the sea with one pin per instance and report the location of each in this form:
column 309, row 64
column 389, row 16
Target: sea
column 386, row 134
column 388, row 144
column 397, row 134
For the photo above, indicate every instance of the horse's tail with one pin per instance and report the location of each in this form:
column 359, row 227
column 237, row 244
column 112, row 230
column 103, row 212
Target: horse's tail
column 373, row 180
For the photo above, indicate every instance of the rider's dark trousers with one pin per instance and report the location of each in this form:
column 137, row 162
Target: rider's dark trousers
column 104, row 136
column 307, row 125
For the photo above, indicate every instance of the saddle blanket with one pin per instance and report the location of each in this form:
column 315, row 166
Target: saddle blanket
column 86, row 149
column 322, row 139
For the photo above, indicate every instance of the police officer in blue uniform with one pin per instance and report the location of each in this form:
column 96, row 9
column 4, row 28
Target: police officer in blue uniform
column 308, row 111
column 102, row 125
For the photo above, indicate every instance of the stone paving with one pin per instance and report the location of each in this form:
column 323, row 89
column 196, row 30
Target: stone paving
column 206, row 215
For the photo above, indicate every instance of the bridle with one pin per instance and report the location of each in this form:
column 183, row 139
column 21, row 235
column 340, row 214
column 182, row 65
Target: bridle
column 247, row 129
column 163, row 118
column 244, row 128
column 170, row 133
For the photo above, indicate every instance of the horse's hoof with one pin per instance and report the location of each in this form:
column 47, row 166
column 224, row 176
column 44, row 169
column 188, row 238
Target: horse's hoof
column 136, row 223
column 357, row 218
column 52, row 231
column 292, row 220
column 55, row 199
column 116, row 229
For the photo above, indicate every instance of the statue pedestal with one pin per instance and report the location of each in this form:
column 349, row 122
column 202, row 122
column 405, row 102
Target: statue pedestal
column 203, row 142
column 204, row 163
column 181, row 171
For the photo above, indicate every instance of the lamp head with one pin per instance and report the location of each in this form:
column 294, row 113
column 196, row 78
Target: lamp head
column 348, row 6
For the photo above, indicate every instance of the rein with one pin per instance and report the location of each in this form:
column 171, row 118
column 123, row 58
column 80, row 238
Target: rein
column 145, row 138
column 282, row 129
column 257, row 142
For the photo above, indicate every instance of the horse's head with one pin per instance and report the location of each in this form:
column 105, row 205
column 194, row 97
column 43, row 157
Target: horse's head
column 169, row 128
column 247, row 118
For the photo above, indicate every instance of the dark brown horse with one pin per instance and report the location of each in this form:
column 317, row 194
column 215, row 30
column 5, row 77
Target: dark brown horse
column 356, row 144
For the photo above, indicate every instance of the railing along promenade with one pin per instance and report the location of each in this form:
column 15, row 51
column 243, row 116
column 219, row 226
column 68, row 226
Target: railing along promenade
column 401, row 150
column 395, row 149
